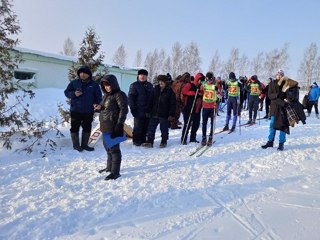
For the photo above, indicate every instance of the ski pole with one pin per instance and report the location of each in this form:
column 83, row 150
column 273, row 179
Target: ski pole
column 187, row 126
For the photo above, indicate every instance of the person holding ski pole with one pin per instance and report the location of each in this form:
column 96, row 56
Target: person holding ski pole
column 253, row 86
column 192, row 95
column 234, row 88
column 209, row 106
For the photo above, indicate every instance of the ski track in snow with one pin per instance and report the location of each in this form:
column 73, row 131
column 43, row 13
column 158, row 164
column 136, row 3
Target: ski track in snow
column 163, row 193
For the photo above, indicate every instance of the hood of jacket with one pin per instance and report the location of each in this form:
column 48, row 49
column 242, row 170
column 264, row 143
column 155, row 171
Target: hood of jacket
column 112, row 81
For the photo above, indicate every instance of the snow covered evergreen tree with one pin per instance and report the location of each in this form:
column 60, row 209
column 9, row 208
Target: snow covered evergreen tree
column 119, row 57
column 16, row 123
column 89, row 55
column 68, row 48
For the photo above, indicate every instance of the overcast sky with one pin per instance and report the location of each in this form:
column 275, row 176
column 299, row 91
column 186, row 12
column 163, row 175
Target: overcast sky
column 252, row 26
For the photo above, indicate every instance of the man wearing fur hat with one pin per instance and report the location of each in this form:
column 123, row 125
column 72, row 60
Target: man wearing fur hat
column 84, row 93
column 138, row 97
column 277, row 120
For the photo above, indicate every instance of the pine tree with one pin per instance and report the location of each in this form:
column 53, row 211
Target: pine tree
column 16, row 121
column 89, row 48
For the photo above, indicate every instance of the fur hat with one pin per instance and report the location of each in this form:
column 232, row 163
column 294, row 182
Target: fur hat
column 84, row 69
column 143, row 72
column 281, row 72
column 232, row 75
column 162, row 78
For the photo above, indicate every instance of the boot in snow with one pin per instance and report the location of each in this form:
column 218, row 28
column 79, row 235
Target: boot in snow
column 163, row 143
column 85, row 140
column 209, row 143
column 280, row 147
column 226, row 128
column 268, row 144
column 75, row 141
column 204, row 141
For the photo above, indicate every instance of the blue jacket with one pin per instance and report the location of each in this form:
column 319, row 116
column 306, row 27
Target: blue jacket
column 138, row 97
column 314, row 94
column 91, row 94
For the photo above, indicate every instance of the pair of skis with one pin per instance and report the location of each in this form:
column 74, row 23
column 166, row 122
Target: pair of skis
column 201, row 149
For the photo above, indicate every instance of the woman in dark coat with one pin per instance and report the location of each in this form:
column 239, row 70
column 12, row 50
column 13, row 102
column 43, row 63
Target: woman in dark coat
column 114, row 110
column 278, row 120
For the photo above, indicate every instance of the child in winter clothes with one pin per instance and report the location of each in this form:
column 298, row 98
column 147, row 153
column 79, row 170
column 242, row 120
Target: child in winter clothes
column 114, row 110
column 209, row 106
column 192, row 108
column 234, row 88
column 313, row 98
column 253, row 86
column 160, row 109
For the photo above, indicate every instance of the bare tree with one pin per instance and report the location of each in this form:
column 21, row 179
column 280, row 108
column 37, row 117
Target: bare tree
column 307, row 70
column 166, row 68
column 243, row 65
column 176, row 57
column 191, row 59
column 276, row 59
column 216, row 65
column 68, row 48
column 257, row 65
column 138, row 59
column 151, row 62
column 233, row 61
column 119, row 57
column 317, row 69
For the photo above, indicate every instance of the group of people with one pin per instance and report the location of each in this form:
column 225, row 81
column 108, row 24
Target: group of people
column 195, row 97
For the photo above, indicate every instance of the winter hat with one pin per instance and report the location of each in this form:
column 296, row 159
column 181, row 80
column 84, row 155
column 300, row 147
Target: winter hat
column 84, row 69
column 209, row 76
column 143, row 72
column 162, row 78
column 254, row 78
column 232, row 75
column 281, row 72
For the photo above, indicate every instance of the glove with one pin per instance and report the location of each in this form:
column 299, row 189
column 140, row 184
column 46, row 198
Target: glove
column 199, row 86
column 171, row 118
column 117, row 131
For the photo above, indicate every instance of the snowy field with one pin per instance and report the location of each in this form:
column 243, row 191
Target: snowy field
column 235, row 190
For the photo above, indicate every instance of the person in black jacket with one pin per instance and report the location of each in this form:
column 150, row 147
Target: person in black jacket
column 138, row 96
column 113, row 112
column 83, row 93
column 161, row 109
column 267, row 99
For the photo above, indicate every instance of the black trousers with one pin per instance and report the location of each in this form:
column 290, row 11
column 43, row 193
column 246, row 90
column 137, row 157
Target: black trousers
column 140, row 127
column 81, row 119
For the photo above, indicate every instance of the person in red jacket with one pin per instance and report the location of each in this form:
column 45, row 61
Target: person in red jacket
column 192, row 95
column 211, row 89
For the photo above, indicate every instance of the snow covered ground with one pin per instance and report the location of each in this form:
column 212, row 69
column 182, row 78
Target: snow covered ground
column 235, row 190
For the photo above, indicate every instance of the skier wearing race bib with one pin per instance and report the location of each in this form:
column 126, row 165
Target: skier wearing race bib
column 253, row 86
column 211, row 90
column 234, row 88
